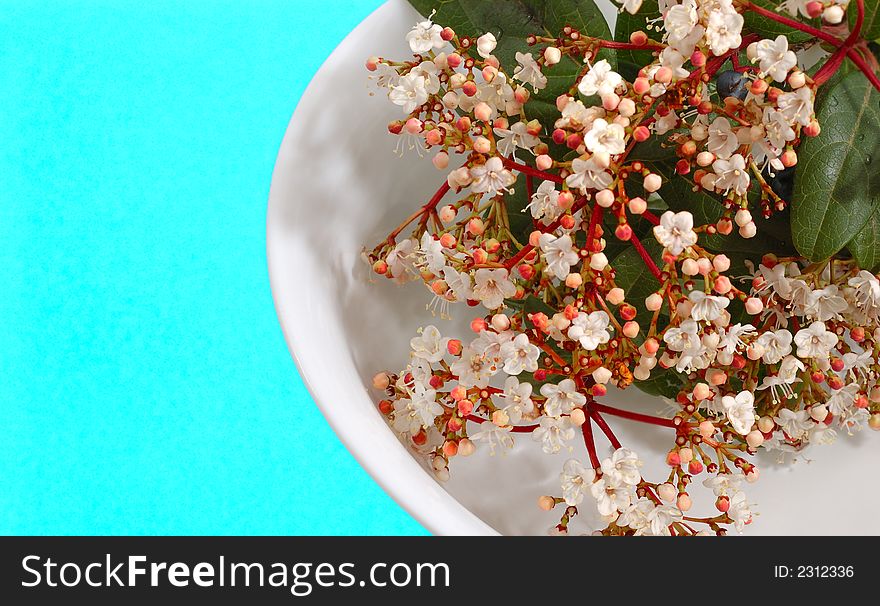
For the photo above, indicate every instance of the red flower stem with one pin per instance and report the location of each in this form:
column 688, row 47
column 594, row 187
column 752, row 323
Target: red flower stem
column 650, row 45
column 595, row 219
column 603, row 425
column 516, row 428
column 649, row 262
column 632, row 416
column 651, row 217
column 429, row 206
column 529, row 186
column 854, row 56
column 833, row 63
column 773, row 16
column 528, row 170
column 587, row 430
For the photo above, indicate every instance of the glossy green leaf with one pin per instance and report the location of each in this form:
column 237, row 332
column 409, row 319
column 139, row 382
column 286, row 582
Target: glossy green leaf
column 864, row 246
column 837, row 184
column 871, row 23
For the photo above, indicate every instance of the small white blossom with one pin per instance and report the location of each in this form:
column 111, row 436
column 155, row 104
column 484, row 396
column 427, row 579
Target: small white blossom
column 590, row 330
column 605, row 138
column 491, row 177
column 587, row 175
column 562, row 398
column 520, row 355
column 430, row 345
column 492, row 286
column 740, row 411
column 774, row 58
column 797, row 106
column 529, row 72
column 518, row 398
column 795, row 424
column 559, row 254
column 486, row 44
column 576, row 480
column 676, row 231
column 424, row 37
column 599, row 80
column 496, row 437
column 553, row 433
column 707, row 308
column 815, row 341
column 775, row 345
column 410, row 92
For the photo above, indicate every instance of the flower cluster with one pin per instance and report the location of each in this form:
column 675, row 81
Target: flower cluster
column 540, row 221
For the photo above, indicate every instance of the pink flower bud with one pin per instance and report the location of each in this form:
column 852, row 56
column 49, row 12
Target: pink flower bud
column 500, row 322
column 381, row 381
column 544, row 162
column 615, row 296
column 577, row 417
column 441, row 160
column 754, row 306
column 637, row 206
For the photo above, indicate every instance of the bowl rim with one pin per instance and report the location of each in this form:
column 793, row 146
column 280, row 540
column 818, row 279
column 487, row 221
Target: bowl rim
column 448, row 515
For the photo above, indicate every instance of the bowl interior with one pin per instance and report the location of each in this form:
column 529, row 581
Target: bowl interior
column 339, row 186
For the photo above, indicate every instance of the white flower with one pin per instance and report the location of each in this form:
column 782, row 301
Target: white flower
column 775, row 345
column 635, row 515
column 576, row 479
column 605, row 138
column 510, row 139
column 562, row 398
column 777, row 129
column 867, row 289
column 544, row 206
column 431, row 252
column 529, row 72
column 780, row 385
column 774, row 58
column 731, row 339
column 794, row 424
column 553, row 433
column 489, row 343
column 401, row 259
column 494, row 436
column 731, row 174
column 722, row 140
column 577, row 116
column 682, row 337
column 723, row 30
column 740, row 411
column 518, row 397
column 591, row 330
column 622, row 467
column 430, row 345
column 797, row 106
column 410, row 415
column 815, row 341
column 410, row 92
column 459, row 282
column 666, row 123
column 676, row 231
column 601, row 80
column 740, row 511
column 824, row 304
column 425, row 36
column 610, row 497
column 586, row 175
column 486, row 44
column 707, row 308
column 473, row 369
column 841, row 402
column 520, row 355
column 775, row 279
column 724, row 484
column 680, row 20
column 559, row 254
column 491, row 177
column 492, row 286
column 660, row 519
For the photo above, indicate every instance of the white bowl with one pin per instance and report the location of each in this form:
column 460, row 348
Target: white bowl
column 338, row 187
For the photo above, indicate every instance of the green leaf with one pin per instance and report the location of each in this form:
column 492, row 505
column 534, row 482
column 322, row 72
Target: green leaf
column 767, row 28
column 871, row 23
column 864, row 247
column 837, row 184
column 630, row 62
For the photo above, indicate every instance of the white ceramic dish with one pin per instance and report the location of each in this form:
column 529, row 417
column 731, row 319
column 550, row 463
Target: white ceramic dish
column 338, row 186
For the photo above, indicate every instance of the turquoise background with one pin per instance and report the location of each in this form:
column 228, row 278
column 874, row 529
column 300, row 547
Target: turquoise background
column 145, row 386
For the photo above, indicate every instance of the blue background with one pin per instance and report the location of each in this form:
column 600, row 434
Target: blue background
column 145, row 386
